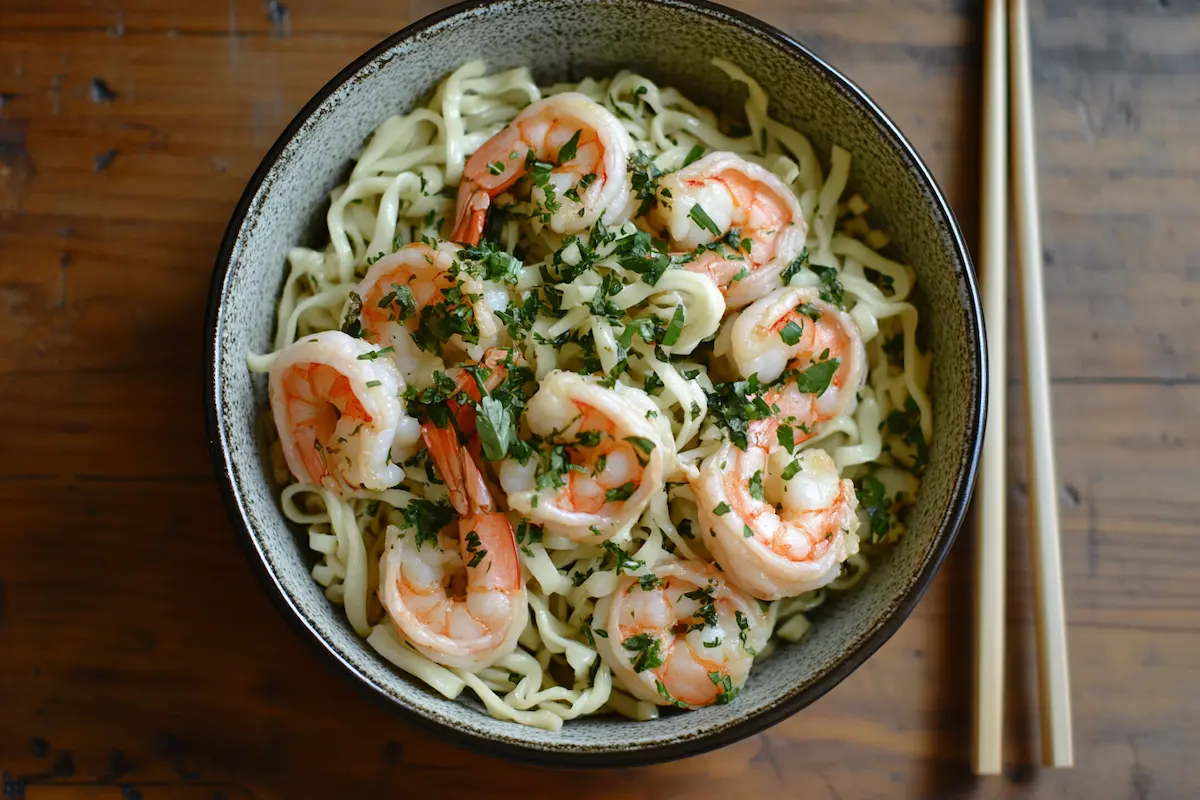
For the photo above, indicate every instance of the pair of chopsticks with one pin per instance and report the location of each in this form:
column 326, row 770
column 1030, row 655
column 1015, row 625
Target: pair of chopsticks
column 1006, row 53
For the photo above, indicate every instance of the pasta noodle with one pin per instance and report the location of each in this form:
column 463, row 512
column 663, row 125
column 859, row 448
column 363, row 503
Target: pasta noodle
column 402, row 190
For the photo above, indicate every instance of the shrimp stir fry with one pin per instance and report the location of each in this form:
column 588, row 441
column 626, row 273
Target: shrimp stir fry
column 460, row 601
column 680, row 635
column 778, row 525
column 741, row 223
column 419, row 301
column 337, row 410
column 817, row 349
column 574, row 149
column 600, row 456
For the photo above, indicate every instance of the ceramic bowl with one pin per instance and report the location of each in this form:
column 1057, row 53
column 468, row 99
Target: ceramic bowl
column 672, row 43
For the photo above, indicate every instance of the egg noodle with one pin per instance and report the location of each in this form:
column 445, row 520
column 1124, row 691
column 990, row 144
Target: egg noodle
column 402, row 190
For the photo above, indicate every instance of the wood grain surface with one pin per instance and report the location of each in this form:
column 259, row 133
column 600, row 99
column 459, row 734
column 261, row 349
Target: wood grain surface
column 138, row 656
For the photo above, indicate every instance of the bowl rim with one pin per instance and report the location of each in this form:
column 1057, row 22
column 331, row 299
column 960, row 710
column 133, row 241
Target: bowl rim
column 772, row 714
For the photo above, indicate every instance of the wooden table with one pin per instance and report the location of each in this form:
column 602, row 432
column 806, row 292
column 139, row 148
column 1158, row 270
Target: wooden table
column 138, row 656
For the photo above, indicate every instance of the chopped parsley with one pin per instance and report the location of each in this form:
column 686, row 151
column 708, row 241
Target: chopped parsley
column 497, row 428
column 374, row 354
column 650, row 581
column 490, row 263
column 816, row 379
column 726, row 691
column 786, row 437
column 675, row 328
column 399, row 302
column 872, row 500
column 831, row 288
column 906, row 423
column 743, row 624
column 791, row 333
column 791, row 469
column 705, row 614
column 568, row 150
column 644, row 179
column 496, row 167
column 721, row 509
column 621, row 561
column 693, row 155
column 646, row 648
column 475, row 547
column 796, row 267
column 756, row 485
column 528, row 534
column 701, row 218
column 427, row 518
column 620, row 493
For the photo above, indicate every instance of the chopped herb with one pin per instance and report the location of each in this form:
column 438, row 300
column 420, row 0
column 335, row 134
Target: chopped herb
column 496, row 427
column 746, row 531
column 374, row 354
column 620, row 493
column 496, row 167
column 622, row 561
column 815, row 379
column 872, row 500
column 722, row 509
column 796, row 267
column 756, row 485
column 810, row 311
column 527, row 535
column 714, row 643
column 907, row 424
column 641, row 443
column 644, row 177
column 725, row 688
column 791, row 333
column 400, row 301
column 666, row 695
column 787, row 437
column 831, row 287
column 701, row 218
column 474, row 546
column 675, row 328
column 373, row 384
column 791, row 469
column 705, row 614
column 427, row 518
column 568, row 150
column 491, row 263
column 650, row 581
column 744, row 626
column 693, row 155
column 648, row 656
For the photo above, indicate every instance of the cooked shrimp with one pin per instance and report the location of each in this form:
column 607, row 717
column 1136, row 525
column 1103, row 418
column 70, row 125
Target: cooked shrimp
column 778, row 525
column 603, row 454
column 336, row 405
column 723, row 194
column 793, row 329
column 681, row 635
column 417, row 301
column 461, row 603
column 585, row 144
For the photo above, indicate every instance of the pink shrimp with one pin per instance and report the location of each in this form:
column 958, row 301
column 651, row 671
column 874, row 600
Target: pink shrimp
column 587, row 148
column 721, row 193
column 461, row 603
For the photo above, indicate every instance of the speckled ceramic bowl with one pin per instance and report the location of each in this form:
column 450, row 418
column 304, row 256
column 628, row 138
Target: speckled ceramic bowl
column 669, row 41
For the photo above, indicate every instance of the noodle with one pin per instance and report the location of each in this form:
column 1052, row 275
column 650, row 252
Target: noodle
column 402, row 190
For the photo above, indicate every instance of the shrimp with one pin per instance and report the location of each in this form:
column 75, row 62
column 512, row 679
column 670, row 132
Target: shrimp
column 603, row 454
column 418, row 300
column 680, row 635
column 337, row 407
column 724, row 197
column 793, row 330
column 588, row 147
column 779, row 526
column 461, row 603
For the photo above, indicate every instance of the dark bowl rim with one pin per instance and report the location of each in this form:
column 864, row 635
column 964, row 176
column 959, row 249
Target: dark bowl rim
column 772, row 715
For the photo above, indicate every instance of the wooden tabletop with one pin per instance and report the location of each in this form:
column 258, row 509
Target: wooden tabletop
column 140, row 658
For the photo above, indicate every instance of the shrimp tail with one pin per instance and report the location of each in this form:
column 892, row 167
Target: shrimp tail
column 473, row 204
column 448, row 458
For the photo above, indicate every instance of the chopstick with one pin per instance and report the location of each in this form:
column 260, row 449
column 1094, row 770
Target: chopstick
column 990, row 525
column 1053, row 680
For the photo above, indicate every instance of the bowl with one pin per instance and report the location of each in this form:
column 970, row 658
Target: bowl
column 285, row 202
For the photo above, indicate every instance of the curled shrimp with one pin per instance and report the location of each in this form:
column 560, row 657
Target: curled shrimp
column 720, row 199
column 680, row 635
column 587, row 149
column 793, row 331
column 460, row 601
column 601, row 455
column 420, row 286
column 337, row 408
column 778, row 525
column 487, row 376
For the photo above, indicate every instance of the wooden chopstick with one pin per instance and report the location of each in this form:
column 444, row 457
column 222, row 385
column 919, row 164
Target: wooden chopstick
column 990, row 524
column 1053, row 680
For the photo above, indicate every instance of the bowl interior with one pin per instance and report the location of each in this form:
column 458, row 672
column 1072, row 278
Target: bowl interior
column 567, row 40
